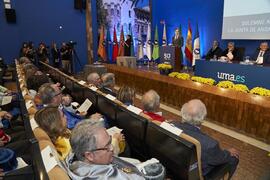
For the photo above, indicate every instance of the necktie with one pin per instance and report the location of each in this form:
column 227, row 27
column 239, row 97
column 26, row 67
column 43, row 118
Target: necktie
column 261, row 54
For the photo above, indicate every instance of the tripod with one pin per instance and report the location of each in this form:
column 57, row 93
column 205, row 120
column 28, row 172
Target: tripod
column 75, row 59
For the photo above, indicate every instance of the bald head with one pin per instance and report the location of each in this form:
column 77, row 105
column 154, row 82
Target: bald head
column 150, row 101
column 193, row 112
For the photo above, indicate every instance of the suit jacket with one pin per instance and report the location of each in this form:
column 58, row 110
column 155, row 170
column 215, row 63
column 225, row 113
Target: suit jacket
column 178, row 42
column 235, row 52
column 211, row 155
column 108, row 91
column 211, row 53
column 266, row 56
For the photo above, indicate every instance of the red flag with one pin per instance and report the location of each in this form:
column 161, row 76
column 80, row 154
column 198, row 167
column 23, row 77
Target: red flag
column 115, row 46
column 188, row 47
column 122, row 43
column 102, row 44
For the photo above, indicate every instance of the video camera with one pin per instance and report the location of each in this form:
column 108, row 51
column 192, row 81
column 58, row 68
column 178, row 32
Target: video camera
column 71, row 44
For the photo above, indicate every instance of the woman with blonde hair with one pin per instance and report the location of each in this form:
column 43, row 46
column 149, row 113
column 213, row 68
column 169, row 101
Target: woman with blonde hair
column 126, row 95
column 53, row 121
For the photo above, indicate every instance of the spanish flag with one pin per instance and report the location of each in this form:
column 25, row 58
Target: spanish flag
column 102, row 44
column 188, row 47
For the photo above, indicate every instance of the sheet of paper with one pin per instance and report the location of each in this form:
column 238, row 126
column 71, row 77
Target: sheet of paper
column 6, row 100
column 21, row 163
column 85, row 106
column 24, row 92
column 48, row 158
column 82, row 82
column 134, row 109
column 110, row 97
column 171, row 128
column 28, row 104
column 33, row 123
column 111, row 131
column 93, row 88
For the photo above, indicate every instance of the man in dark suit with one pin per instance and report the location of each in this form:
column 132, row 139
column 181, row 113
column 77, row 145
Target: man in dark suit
column 193, row 113
column 108, row 83
column 214, row 52
column 262, row 54
column 177, row 42
column 232, row 53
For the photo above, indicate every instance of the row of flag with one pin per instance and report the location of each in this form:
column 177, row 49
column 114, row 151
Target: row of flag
column 110, row 50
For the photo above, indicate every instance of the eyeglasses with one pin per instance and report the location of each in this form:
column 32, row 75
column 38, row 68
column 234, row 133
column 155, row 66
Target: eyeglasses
column 108, row 147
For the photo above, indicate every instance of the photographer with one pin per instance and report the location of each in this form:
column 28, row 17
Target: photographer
column 66, row 56
column 42, row 53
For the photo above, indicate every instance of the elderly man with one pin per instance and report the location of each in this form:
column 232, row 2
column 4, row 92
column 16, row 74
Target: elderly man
column 94, row 78
column 214, row 52
column 93, row 155
column 232, row 53
column 51, row 94
column 193, row 113
column 262, row 54
column 150, row 102
column 108, row 83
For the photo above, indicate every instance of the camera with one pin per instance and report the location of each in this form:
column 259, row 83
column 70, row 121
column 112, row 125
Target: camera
column 71, row 43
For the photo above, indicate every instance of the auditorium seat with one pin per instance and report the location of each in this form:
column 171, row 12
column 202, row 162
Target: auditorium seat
column 134, row 129
column 107, row 107
column 40, row 134
column 175, row 153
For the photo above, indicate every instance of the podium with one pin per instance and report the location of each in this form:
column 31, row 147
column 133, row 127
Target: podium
column 127, row 61
column 172, row 55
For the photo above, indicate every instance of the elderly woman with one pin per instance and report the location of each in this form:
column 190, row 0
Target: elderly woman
column 150, row 102
column 126, row 95
column 54, row 123
column 193, row 113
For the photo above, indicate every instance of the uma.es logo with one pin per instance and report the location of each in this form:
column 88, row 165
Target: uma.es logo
column 231, row 77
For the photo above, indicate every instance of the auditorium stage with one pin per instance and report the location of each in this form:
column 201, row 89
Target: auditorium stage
column 241, row 112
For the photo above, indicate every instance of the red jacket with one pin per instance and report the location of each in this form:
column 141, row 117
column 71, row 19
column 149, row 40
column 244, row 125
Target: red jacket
column 154, row 116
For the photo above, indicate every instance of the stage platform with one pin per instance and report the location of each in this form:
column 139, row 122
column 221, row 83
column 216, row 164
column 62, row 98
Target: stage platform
column 242, row 112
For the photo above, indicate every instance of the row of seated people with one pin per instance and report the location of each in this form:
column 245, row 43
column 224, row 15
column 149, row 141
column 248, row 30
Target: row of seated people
column 51, row 118
column 261, row 55
column 14, row 142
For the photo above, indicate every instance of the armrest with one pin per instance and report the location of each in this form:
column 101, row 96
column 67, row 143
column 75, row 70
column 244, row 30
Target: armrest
column 219, row 172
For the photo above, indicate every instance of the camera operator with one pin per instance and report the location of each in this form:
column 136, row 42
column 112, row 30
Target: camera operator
column 42, row 53
column 55, row 55
column 66, row 56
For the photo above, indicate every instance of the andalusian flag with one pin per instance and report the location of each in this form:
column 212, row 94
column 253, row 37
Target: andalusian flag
column 122, row 44
column 164, row 37
column 140, row 45
column 115, row 46
column 155, row 54
column 131, row 43
column 188, row 48
column 149, row 43
column 102, row 44
column 196, row 47
column 109, row 45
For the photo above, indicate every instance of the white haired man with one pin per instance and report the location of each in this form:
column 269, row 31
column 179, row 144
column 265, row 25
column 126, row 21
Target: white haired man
column 193, row 114
column 93, row 156
column 94, row 78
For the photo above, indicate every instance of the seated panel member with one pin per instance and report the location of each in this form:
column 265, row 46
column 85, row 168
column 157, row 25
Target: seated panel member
column 231, row 53
column 193, row 113
column 262, row 54
column 214, row 52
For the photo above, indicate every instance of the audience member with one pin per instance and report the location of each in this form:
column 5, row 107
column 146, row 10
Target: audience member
column 126, row 95
column 108, row 83
column 65, row 57
column 42, row 53
column 193, row 114
column 214, row 52
column 262, row 54
column 55, row 53
column 93, row 156
column 150, row 102
column 54, row 123
column 94, row 78
column 231, row 53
